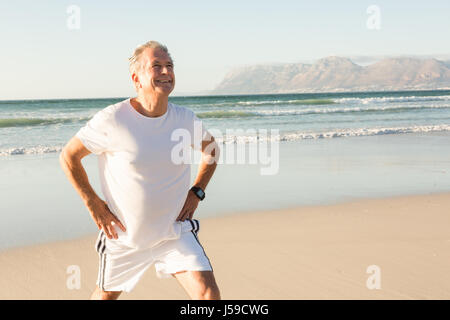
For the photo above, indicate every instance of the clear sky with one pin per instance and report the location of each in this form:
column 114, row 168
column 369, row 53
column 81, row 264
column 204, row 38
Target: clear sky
column 43, row 56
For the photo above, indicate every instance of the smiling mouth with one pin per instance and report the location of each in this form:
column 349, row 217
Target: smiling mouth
column 163, row 81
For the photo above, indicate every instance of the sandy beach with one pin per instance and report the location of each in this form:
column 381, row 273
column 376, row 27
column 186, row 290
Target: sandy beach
column 309, row 252
column 333, row 175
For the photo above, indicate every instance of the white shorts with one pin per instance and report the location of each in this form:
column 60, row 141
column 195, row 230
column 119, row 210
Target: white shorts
column 121, row 268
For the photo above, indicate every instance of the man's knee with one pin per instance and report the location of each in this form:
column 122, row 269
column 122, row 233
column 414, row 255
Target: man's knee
column 200, row 285
column 210, row 293
column 99, row 294
column 209, row 290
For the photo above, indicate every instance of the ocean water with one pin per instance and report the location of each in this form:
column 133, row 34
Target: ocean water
column 333, row 148
column 44, row 126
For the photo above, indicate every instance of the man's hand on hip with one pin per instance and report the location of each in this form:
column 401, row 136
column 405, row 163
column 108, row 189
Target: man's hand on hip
column 189, row 207
column 104, row 218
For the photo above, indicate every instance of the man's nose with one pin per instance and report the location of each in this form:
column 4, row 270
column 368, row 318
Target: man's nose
column 165, row 70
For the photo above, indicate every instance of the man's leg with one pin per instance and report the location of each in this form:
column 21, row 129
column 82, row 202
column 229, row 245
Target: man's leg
column 99, row 294
column 199, row 285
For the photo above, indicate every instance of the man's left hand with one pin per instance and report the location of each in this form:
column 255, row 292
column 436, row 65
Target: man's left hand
column 189, row 207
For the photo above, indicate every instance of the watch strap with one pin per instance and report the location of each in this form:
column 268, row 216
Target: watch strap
column 199, row 192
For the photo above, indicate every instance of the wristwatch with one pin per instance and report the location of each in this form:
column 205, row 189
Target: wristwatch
column 199, row 192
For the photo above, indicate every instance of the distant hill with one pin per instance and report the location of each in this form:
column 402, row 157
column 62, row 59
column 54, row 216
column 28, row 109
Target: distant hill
column 336, row 74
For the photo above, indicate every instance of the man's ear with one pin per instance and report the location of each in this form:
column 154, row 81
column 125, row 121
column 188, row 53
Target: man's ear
column 136, row 82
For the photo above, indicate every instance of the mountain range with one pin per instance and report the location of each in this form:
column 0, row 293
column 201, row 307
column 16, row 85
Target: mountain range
column 338, row 74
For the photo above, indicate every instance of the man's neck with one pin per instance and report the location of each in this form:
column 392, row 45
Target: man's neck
column 154, row 106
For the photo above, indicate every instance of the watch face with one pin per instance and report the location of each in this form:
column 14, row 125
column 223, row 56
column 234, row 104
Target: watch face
column 198, row 192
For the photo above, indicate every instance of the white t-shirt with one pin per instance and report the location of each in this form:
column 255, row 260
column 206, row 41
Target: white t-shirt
column 141, row 184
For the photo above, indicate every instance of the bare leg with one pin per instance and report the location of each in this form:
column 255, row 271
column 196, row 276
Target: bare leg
column 99, row 294
column 199, row 285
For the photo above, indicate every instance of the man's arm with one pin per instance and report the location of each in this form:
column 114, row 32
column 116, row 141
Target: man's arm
column 208, row 164
column 70, row 160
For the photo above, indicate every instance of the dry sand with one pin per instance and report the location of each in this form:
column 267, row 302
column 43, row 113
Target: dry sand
column 319, row 252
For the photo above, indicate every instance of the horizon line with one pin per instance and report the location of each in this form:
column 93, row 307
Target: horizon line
column 239, row 94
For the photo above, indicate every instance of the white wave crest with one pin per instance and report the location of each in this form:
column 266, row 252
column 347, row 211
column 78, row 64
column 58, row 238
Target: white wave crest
column 350, row 132
column 30, row 150
column 375, row 100
column 267, row 136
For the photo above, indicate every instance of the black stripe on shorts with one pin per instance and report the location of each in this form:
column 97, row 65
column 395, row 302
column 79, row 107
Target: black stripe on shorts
column 195, row 229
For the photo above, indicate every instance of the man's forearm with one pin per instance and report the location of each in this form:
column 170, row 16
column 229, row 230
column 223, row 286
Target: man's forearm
column 78, row 178
column 205, row 172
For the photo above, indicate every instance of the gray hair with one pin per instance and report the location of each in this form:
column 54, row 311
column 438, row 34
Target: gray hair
column 135, row 64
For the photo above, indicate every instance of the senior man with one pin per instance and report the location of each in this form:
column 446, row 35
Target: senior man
column 147, row 215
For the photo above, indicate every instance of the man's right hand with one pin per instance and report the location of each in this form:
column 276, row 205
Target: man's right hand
column 104, row 218
column 70, row 160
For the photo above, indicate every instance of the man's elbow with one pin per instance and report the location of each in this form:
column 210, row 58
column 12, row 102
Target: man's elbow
column 67, row 159
column 215, row 151
column 212, row 152
column 72, row 153
column 63, row 158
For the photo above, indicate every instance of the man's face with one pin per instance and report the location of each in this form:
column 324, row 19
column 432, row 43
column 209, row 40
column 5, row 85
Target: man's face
column 157, row 76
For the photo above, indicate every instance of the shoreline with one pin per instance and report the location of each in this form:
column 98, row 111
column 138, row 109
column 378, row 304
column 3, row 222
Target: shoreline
column 312, row 252
column 309, row 173
column 239, row 213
